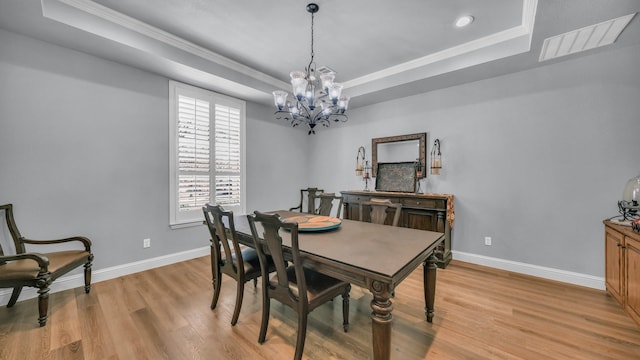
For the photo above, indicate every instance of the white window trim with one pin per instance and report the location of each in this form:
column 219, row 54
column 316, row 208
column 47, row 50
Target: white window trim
column 195, row 217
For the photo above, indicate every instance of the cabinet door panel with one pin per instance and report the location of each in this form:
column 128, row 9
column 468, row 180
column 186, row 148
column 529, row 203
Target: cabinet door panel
column 419, row 219
column 351, row 211
column 633, row 278
column 613, row 263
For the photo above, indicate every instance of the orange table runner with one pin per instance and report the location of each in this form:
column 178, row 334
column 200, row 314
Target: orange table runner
column 451, row 214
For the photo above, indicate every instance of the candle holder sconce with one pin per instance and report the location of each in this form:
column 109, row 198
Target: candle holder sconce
column 363, row 169
column 419, row 174
column 436, row 158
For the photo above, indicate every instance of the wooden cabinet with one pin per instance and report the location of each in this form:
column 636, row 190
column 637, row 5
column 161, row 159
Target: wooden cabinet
column 430, row 212
column 622, row 267
column 632, row 273
column 614, row 263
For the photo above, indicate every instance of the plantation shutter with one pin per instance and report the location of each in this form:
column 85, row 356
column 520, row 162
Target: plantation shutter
column 207, row 153
column 194, row 153
column 227, row 156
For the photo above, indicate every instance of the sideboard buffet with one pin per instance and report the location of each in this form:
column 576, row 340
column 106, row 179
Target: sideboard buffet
column 431, row 212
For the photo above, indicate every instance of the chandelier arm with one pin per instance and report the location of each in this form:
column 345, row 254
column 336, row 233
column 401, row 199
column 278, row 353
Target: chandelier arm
column 307, row 111
column 296, row 122
column 324, row 122
column 286, row 114
column 338, row 117
column 316, row 118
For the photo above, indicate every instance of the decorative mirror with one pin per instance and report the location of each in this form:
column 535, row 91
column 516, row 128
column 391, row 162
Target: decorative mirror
column 397, row 149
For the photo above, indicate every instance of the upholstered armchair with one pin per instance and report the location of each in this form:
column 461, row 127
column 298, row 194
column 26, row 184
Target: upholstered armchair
column 19, row 268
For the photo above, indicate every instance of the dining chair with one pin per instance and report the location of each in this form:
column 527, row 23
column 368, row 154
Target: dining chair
column 293, row 285
column 326, row 204
column 228, row 258
column 311, row 200
column 19, row 268
column 379, row 211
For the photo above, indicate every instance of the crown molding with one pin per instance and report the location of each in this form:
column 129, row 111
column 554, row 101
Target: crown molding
column 52, row 10
column 523, row 31
column 450, row 53
column 94, row 18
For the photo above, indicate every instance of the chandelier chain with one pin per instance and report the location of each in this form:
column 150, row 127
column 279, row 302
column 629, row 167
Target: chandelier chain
column 312, row 53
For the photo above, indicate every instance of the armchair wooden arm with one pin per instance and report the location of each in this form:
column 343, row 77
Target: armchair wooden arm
column 42, row 260
column 85, row 241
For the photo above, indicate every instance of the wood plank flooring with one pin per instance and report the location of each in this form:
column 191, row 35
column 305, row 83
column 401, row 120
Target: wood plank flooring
column 481, row 313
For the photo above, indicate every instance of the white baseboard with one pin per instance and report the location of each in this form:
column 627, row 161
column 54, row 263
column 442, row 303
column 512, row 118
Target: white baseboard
column 74, row 281
column 534, row 270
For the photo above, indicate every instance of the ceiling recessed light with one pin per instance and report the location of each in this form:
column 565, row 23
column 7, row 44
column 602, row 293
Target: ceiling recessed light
column 464, row 20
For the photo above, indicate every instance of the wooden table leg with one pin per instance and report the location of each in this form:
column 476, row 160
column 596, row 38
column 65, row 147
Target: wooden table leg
column 429, row 279
column 381, row 320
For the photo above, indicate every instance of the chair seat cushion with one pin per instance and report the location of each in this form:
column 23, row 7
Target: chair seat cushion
column 28, row 269
column 317, row 283
column 252, row 261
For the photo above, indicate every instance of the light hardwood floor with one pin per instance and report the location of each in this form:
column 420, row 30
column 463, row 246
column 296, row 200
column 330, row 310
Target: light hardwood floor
column 481, row 313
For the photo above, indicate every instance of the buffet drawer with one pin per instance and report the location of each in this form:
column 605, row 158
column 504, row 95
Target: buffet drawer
column 355, row 198
column 424, row 203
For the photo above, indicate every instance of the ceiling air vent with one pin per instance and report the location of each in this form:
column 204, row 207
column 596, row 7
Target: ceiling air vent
column 325, row 70
column 587, row 38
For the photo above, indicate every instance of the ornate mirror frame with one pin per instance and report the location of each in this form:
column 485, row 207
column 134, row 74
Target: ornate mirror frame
column 422, row 150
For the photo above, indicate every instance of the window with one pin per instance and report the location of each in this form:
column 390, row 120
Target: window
column 207, row 152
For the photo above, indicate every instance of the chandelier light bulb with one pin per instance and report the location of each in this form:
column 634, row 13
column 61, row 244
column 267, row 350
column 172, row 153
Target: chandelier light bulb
column 334, row 92
column 327, row 81
column 343, row 103
column 280, row 99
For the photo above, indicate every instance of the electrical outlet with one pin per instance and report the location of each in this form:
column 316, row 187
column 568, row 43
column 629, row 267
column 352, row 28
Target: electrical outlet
column 146, row 243
column 487, row 240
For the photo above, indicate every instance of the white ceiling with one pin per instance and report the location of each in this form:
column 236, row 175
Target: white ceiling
column 380, row 49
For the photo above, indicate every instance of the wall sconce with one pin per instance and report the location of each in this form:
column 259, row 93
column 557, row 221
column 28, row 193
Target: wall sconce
column 360, row 158
column 417, row 166
column 363, row 168
column 436, row 158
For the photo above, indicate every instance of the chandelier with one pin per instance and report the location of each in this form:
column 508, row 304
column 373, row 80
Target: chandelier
column 317, row 99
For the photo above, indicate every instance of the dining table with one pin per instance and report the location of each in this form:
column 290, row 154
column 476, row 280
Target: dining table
column 372, row 256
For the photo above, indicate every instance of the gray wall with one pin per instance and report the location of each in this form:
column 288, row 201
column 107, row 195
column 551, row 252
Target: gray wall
column 535, row 159
column 84, row 148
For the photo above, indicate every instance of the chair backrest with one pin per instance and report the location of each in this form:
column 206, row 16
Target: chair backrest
column 326, row 204
column 10, row 236
column 223, row 230
column 312, row 195
column 269, row 242
column 379, row 207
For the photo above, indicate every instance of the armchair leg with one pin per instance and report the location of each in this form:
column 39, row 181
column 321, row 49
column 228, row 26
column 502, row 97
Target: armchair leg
column 14, row 296
column 43, row 304
column 87, row 274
